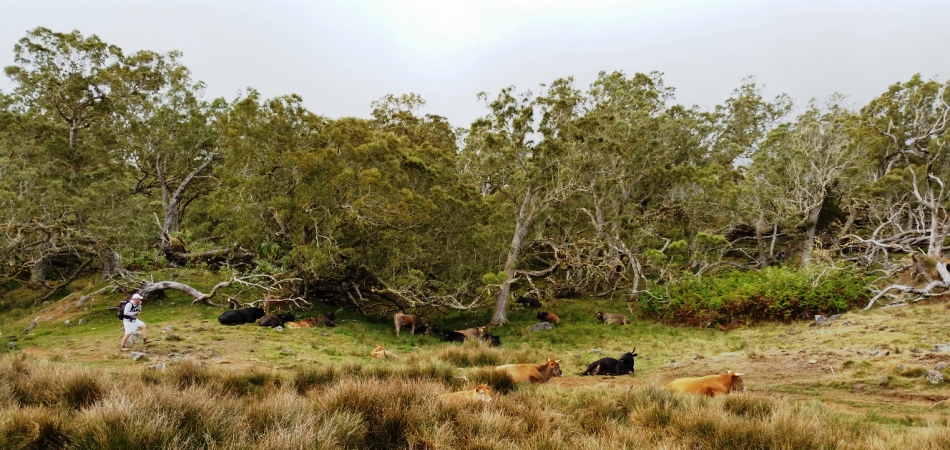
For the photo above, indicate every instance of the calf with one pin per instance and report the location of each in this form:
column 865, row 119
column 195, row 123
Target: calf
column 328, row 319
column 608, row 318
column 472, row 332
column 414, row 323
column 382, row 353
column 276, row 320
column 535, row 373
column 611, row 366
column 710, row 385
column 528, row 302
column 548, row 317
column 305, row 323
column 479, row 394
column 447, row 335
column 276, row 302
column 239, row 316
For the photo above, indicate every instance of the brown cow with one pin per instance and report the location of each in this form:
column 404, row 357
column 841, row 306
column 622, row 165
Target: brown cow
column 709, row 385
column 608, row 318
column 382, row 353
column 275, row 301
column 327, row 320
column 544, row 316
column 414, row 323
column 479, row 394
column 305, row 323
column 535, row 373
column 472, row 333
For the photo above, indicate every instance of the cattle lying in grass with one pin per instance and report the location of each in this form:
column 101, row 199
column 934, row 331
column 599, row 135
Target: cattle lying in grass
column 472, row 333
column 305, row 323
column 494, row 340
column 276, row 320
column 535, row 373
column 710, row 385
column 413, row 323
column 479, row 394
column 545, row 316
column 528, row 302
column 612, row 366
column 327, row 319
column 609, row 319
column 241, row 316
column 446, row 335
column 382, row 353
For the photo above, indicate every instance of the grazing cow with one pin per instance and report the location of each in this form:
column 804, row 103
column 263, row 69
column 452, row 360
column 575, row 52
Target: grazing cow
column 414, row 323
column 472, row 332
column 276, row 320
column 548, row 317
column 709, row 385
column 305, row 323
column 479, row 394
column 535, row 373
column 447, row 335
column 611, row 366
column 608, row 318
column 239, row 316
column 495, row 340
column 276, row 302
column 328, row 319
column 528, row 302
column 382, row 353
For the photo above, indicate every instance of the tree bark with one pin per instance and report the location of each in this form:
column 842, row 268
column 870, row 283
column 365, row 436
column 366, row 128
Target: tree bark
column 522, row 223
column 809, row 243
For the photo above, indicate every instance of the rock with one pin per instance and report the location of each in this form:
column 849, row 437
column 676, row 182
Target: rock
column 834, row 317
column 915, row 350
column 883, row 381
column 66, row 322
column 82, row 321
column 941, row 365
column 598, row 351
column 820, row 319
column 942, row 348
column 167, row 329
column 325, row 334
column 848, row 322
column 159, row 366
column 173, row 337
column 697, row 356
column 136, row 356
column 541, row 327
column 812, row 361
column 934, row 376
column 11, row 345
column 279, row 329
column 287, row 351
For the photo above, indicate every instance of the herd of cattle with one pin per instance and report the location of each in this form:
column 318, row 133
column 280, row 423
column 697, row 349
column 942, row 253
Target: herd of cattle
column 710, row 385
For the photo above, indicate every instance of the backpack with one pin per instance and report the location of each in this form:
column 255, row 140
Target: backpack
column 121, row 313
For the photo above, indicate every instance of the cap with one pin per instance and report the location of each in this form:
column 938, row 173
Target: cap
column 136, row 296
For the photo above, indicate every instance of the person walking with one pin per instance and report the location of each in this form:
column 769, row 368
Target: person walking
column 131, row 322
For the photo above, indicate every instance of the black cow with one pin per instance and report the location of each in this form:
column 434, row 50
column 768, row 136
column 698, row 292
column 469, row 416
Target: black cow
column 446, row 335
column 528, row 302
column 276, row 320
column 611, row 366
column 495, row 340
column 239, row 316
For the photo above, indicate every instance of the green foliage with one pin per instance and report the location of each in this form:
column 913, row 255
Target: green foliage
column 735, row 298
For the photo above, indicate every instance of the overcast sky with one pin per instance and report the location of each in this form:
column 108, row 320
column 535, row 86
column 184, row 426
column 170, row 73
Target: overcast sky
column 342, row 55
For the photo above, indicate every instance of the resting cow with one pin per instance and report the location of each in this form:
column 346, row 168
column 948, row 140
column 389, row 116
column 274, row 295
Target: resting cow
column 447, row 335
column 535, row 373
column 305, row 323
column 479, row 394
column 528, row 302
column 608, row 318
column 710, row 385
column 239, row 316
column 494, row 340
column 414, row 323
column 472, row 333
column 276, row 320
column 611, row 366
column 548, row 317
column 382, row 353
column 328, row 319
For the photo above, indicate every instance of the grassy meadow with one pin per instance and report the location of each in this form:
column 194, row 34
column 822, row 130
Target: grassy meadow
column 858, row 383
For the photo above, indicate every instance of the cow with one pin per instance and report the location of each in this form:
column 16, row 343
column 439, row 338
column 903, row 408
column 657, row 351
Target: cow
column 382, row 353
column 239, row 316
column 709, row 385
column 535, row 373
column 479, row 394
column 549, row 318
column 608, row 318
column 275, row 301
column 328, row 319
column 305, row 323
column 494, row 340
column 528, row 302
column 611, row 366
column 447, row 335
column 472, row 333
column 414, row 323
column 276, row 320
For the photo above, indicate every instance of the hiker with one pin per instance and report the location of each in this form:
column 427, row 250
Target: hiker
column 131, row 321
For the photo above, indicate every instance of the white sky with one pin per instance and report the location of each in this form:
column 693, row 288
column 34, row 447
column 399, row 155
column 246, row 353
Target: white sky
column 342, row 55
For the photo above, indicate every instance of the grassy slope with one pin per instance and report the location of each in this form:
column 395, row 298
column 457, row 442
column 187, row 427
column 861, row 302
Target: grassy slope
column 831, row 364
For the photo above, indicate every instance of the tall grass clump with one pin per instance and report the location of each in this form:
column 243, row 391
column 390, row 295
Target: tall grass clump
column 472, row 353
column 735, row 298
